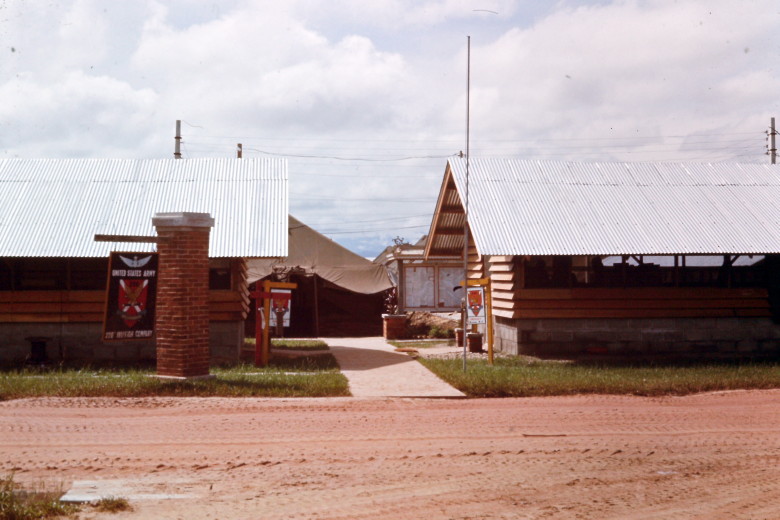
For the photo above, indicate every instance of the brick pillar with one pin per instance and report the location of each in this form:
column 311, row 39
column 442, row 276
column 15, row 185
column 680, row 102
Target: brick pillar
column 182, row 326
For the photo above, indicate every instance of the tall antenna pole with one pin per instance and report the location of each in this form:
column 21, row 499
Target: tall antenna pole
column 466, row 205
column 772, row 147
column 177, row 149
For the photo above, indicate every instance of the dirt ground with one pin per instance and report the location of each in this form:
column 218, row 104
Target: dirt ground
column 706, row 456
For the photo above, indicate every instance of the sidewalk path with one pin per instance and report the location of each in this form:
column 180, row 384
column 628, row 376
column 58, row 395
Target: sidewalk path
column 374, row 369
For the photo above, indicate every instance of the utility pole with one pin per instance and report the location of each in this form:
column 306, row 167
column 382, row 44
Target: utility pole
column 772, row 147
column 466, row 205
column 177, row 149
column 239, row 151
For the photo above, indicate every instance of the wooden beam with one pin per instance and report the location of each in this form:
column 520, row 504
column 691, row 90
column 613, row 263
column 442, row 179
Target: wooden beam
column 227, row 307
column 447, row 252
column 448, row 231
column 503, row 313
column 755, row 303
column 450, row 210
column 50, row 307
column 629, row 313
column 51, row 318
column 496, row 267
column 53, row 296
column 502, row 259
column 127, row 238
column 225, row 295
column 633, row 293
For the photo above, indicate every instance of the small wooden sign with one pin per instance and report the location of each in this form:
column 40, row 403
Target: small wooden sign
column 475, row 303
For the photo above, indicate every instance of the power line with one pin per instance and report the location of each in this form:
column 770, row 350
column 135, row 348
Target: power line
column 457, row 142
column 372, row 230
column 493, row 149
column 336, row 158
column 729, row 145
column 346, row 199
column 351, row 221
column 372, row 174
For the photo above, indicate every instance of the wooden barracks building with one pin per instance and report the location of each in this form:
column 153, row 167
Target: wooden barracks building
column 619, row 258
column 53, row 273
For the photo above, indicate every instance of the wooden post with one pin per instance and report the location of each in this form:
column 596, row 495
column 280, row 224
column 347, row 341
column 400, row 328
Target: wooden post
column 489, row 307
column 263, row 319
column 484, row 282
column 316, row 307
column 266, row 346
column 279, row 323
column 258, row 296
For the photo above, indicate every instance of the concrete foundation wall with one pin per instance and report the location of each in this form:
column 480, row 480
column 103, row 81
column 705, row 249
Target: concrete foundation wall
column 81, row 342
column 615, row 336
column 225, row 341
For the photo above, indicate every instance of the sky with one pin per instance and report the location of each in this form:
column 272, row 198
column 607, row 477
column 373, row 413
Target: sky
column 368, row 99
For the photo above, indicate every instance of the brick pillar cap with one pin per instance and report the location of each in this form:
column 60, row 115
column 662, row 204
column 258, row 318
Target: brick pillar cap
column 182, row 219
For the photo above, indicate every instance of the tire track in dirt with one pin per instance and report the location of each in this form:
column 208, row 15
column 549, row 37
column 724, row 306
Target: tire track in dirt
column 704, row 456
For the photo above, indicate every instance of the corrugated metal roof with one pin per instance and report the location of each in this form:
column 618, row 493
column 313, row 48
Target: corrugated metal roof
column 519, row 207
column 54, row 207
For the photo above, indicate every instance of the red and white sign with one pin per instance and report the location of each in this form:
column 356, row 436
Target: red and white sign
column 475, row 305
column 280, row 306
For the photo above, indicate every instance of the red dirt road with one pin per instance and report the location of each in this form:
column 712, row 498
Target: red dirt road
column 707, row 456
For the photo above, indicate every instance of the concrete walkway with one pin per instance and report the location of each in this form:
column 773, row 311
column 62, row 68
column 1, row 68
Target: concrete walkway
column 374, row 369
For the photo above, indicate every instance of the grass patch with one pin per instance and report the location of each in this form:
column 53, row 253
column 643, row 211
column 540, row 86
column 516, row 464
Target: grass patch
column 422, row 343
column 521, row 377
column 305, row 376
column 290, row 344
column 298, row 344
column 19, row 504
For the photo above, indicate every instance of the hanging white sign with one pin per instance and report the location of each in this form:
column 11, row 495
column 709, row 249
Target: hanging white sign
column 280, row 306
column 475, row 305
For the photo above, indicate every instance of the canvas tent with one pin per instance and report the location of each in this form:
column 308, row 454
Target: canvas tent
column 339, row 291
column 312, row 253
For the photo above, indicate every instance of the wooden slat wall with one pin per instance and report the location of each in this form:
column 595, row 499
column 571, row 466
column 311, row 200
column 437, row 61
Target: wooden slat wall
column 505, row 280
column 227, row 306
column 476, row 264
column 88, row 306
column 639, row 302
column 51, row 306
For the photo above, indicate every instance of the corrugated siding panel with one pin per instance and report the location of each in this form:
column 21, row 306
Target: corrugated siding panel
column 552, row 208
column 54, row 207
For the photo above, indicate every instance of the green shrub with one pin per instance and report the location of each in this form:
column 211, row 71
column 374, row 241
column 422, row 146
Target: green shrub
column 438, row 332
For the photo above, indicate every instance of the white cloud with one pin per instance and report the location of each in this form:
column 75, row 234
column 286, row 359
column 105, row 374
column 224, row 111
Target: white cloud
column 615, row 68
column 258, row 66
column 82, row 34
column 592, row 80
column 78, row 115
